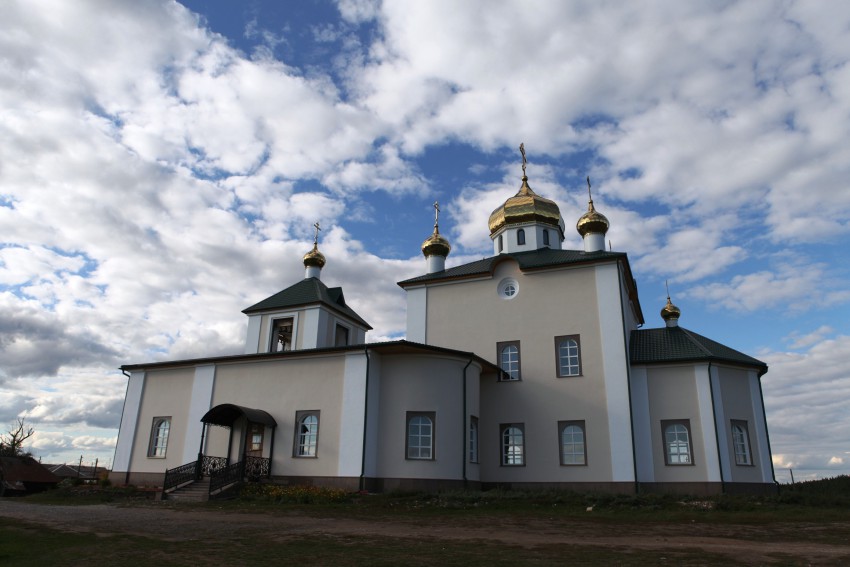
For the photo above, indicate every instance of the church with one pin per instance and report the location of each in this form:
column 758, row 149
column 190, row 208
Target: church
column 527, row 369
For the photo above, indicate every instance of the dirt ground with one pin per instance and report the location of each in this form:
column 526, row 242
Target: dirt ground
column 168, row 523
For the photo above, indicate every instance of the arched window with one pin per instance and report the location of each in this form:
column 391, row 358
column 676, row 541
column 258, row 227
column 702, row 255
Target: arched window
column 307, row 433
column 509, row 360
column 677, row 442
column 545, row 237
column 420, row 435
column 520, row 237
column 501, row 246
column 572, row 443
column 513, row 445
column 159, row 437
column 741, row 443
column 569, row 355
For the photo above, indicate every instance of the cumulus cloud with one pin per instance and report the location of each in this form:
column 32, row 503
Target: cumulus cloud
column 157, row 180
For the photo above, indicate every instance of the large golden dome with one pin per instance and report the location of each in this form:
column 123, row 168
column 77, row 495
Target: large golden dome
column 436, row 245
column 314, row 258
column 592, row 222
column 525, row 206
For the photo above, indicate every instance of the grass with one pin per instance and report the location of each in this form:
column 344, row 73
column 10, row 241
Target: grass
column 816, row 513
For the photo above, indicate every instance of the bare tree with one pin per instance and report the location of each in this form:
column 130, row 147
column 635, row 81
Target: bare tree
column 12, row 443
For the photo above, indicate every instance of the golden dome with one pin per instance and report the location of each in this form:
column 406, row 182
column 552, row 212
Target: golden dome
column 592, row 222
column 525, row 206
column 436, row 245
column 314, row 257
column 670, row 311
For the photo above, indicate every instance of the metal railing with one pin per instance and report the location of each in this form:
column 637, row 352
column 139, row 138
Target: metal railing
column 184, row 474
column 212, row 465
column 257, row 468
column 228, row 475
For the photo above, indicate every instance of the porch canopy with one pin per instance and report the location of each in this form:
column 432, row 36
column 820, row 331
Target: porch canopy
column 225, row 414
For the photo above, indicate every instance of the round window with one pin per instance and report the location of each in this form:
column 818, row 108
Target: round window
column 508, row 288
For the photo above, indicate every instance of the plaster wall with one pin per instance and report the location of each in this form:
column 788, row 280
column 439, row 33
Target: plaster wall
column 548, row 304
column 738, row 405
column 167, row 393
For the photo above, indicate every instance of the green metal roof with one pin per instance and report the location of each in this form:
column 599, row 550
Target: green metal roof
column 308, row 291
column 531, row 260
column 676, row 344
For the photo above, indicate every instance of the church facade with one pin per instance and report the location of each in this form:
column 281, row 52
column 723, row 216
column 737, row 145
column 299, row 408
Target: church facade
column 529, row 368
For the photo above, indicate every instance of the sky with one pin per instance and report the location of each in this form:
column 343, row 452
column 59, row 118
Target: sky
column 162, row 165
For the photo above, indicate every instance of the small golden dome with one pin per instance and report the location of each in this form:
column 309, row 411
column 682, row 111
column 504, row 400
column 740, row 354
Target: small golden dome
column 525, row 206
column 670, row 311
column 436, row 245
column 314, row 258
column 592, row 222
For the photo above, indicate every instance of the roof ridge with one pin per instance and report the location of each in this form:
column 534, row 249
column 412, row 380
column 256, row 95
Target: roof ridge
column 696, row 341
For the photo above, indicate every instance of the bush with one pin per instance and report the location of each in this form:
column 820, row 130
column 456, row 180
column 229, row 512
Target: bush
column 284, row 494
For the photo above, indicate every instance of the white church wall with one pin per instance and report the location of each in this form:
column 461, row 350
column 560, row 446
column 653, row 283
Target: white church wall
column 127, row 431
column 199, row 404
column 642, row 425
column 738, row 401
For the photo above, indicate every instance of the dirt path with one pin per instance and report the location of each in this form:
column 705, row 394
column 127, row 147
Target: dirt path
column 169, row 523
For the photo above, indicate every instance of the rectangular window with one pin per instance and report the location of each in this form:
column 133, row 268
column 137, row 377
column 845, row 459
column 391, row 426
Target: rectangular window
column 568, row 355
column 341, row 336
column 473, row 439
column 513, row 444
column 572, row 444
column 281, row 335
column 676, row 434
column 306, row 433
column 254, row 440
column 741, row 443
column 508, row 356
column 545, row 237
column 159, row 437
column 420, row 435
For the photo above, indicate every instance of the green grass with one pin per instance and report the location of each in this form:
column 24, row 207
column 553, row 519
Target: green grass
column 27, row 545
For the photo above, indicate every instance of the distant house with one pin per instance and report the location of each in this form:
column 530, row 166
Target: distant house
column 71, row 471
column 21, row 475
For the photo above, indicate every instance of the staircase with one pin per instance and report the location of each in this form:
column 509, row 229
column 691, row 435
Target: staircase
column 198, row 491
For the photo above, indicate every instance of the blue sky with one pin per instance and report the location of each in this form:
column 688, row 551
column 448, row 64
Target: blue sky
column 161, row 165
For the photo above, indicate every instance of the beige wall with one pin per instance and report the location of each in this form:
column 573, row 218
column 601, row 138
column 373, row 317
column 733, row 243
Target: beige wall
column 283, row 387
column 166, row 394
column 424, row 383
column 548, row 304
column 673, row 395
column 738, row 405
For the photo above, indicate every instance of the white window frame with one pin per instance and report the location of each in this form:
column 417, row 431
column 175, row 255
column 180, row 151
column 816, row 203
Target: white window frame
column 420, row 434
column 678, row 445
column 741, row 443
column 158, row 446
column 568, row 364
column 306, row 444
column 512, row 440
column 573, row 449
column 510, row 360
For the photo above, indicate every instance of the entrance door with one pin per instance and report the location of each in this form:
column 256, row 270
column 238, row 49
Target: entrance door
column 254, row 440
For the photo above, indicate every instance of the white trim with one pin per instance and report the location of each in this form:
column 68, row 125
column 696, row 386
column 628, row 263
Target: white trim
column 720, row 424
column 615, row 369
column 417, row 314
column 252, row 338
column 760, row 429
column 352, row 418
column 202, row 390
column 706, row 421
column 310, row 337
column 129, row 422
column 642, row 424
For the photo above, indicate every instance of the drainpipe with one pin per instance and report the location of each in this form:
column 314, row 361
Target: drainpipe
column 716, row 434
column 463, row 430
column 365, row 425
